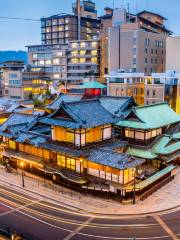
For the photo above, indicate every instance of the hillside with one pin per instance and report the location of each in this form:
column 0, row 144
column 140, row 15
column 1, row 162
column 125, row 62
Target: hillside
column 13, row 55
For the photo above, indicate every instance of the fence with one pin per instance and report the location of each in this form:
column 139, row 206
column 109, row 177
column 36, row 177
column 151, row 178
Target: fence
column 156, row 187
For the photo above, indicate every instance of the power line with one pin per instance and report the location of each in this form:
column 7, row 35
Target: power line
column 20, row 19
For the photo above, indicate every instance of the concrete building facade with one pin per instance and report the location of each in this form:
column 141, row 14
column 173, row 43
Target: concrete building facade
column 136, row 50
column 172, row 53
column 51, row 59
column 83, row 60
column 11, row 79
column 128, row 46
column 62, row 28
column 146, row 89
column 142, row 88
column 171, row 80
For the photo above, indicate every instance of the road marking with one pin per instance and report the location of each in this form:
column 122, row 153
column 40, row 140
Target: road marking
column 77, row 230
column 165, row 227
column 87, row 235
column 19, row 208
column 81, row 211
column 68, row 221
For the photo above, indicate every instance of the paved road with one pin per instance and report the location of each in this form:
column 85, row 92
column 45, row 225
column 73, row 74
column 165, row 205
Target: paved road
column 37, row 219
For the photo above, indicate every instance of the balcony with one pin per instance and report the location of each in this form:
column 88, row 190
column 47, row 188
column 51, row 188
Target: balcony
column 82, row 63
column 86, row 47
column 79, row 70
column 82, row 56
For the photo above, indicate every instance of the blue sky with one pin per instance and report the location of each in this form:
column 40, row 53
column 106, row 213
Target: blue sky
column 15, row 35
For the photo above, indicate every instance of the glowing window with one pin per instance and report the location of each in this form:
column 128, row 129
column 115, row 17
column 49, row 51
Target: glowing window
column 94, row 52
column 74, row 60
column 12, row 144
column 56, row 61
column 56, row 76
column 35, row 55
column 82, row 60
column 74, row 53
column 82, row 52
column 27, row 89
column 94, row 60
column 94, row 44
column 59, row 54
column 74, row 45
column 48, row 62
column 83, row 44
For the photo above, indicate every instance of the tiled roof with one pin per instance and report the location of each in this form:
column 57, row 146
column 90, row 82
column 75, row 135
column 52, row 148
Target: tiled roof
column 141, row 153
column 31, row 138
column 176, row 135
column 151, row 117
column 118, row 106
column 64, row 98
column 17, row 108
column 62, row 149
column 92, row 85
column 84, row 114
column 99, row 156
column 15, row 123
column 166, row 145
column 41, row 129
column 112, row 159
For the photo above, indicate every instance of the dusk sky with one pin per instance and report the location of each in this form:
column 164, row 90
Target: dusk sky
column 15, row 35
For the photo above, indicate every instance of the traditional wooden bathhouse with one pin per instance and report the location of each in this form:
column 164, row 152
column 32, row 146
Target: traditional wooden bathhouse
column 153, row 133
column 77, row 143
column 76, row 138
column 144, row 124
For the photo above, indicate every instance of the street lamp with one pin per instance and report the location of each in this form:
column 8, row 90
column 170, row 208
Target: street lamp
column 134, row 185
column 22, row 167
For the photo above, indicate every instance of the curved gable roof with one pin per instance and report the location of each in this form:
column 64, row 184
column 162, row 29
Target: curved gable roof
column 82, row 114
column 151, row 117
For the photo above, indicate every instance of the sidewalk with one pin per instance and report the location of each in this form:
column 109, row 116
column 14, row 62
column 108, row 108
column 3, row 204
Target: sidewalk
column 165, row 198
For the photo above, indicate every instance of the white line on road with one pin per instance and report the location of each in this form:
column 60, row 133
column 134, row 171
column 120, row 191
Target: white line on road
column 77, row 230
column 19, row 208
column 84, row 234
column 165, row 227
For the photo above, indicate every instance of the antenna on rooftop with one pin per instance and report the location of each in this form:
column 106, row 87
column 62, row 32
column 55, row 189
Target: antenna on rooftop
column 128, row 8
